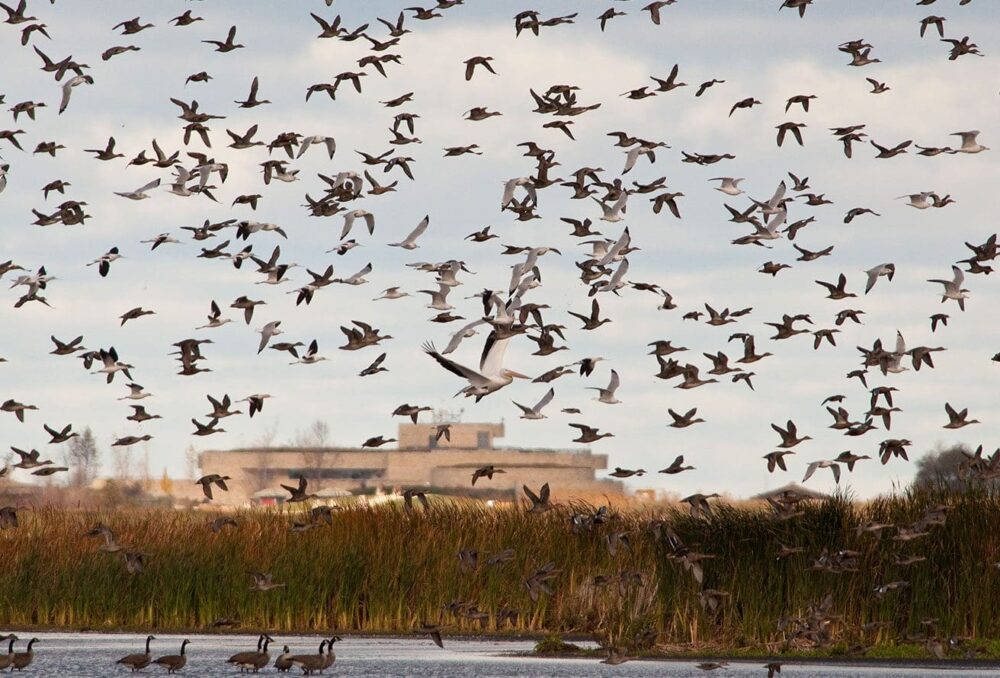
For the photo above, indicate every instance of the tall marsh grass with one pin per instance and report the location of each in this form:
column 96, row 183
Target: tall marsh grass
column 377, row 569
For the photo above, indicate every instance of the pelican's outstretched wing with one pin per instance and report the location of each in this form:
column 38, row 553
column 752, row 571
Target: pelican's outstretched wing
column 493, row 351
column 474, row 378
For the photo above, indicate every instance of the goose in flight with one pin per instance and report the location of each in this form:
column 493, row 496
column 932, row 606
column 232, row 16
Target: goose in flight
column 215, row 319
column 357, row 214
column 607, row 395
column 958, row 419
column 729, row 185
column 485, row 472
column 135, row 393
column 299, row 492
column 676, row 466
column 67, row 89
column 104, row 261
column 789, row 435
column 206, row 483
column 613, row 213
column 834, row 467
column 356, row 279
column 918, row 200
column 266, row 332
column 263, row 581
column 539, row 502
column 511, row 184
column 969, row 142
column 953, row 288
column 589, row 434
column 410, row 242
column 229, row 45
column 536, row 411
column 887, row 270
column 310, row 357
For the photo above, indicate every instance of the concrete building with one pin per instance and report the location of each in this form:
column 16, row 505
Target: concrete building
column 420, row 461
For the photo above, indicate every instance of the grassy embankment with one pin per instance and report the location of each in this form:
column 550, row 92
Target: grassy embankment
column 377, row 570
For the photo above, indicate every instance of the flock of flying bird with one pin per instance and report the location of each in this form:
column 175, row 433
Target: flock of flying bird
column 507, row 311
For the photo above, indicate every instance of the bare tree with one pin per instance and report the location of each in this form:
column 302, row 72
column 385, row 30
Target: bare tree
column 264, row 463
column 84, row 458
column 941, row 468
column 191, row 462
column 313, row 441
column 122, row 461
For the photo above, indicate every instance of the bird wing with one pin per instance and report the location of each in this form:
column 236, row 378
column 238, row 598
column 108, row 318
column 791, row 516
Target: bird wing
column 475, row 378
column 810, row 470
column 419, row 230
column 456, row 338
column 494, row 349
column 546, row 399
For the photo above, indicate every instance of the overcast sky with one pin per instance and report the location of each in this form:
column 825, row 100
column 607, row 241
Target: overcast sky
column 757, row 50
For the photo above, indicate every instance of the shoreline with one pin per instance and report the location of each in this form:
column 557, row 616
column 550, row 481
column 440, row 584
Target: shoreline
column 676, row 655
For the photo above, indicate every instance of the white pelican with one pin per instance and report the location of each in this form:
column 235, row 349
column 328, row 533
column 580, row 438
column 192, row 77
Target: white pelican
column 490, row 377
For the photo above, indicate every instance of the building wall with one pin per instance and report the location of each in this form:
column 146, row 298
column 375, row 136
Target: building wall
column 469, row 436
column 449, row 466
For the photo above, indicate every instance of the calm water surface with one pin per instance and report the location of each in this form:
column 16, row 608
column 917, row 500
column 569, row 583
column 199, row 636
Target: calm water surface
column 86, row 655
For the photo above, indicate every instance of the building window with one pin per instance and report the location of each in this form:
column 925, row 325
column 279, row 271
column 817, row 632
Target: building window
column 483, row 440
column 432, row 442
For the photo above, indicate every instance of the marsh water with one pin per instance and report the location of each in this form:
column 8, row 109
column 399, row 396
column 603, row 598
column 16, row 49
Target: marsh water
column 83, row 655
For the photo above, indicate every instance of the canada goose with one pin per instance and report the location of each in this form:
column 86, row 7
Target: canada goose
column 229, row 44
column 207, row 481
column 789, row 435
column 331, row 657
column 620, row 472
column 485, row 472
column 21, row 660
column 777, row 460
column 173, row 662
column 299, row 493
column 29, row 460
column 676, row 466
column 699, row 504
column 310, row 663
column 685, row 420
column 282, row 662
column 539, row 502
column 109, row 545
column 589, row 434
column 138, row 661
column 958, row 419
column 263, row 581
column 253, row 660
column 7, row 659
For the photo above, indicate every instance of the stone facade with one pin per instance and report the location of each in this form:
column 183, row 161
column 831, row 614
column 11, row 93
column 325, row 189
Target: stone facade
column 419, row 462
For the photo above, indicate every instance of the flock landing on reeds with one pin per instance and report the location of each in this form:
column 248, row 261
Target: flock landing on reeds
column 801, row 576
